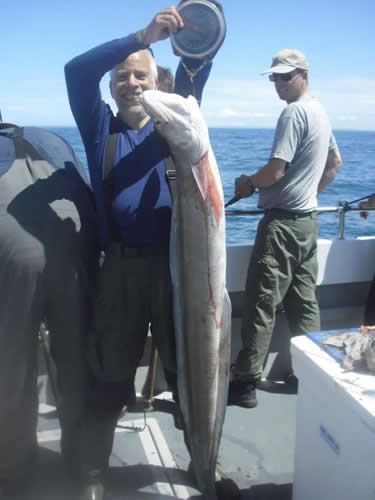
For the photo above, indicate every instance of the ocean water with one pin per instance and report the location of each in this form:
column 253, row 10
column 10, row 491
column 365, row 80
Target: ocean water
column 243, row 151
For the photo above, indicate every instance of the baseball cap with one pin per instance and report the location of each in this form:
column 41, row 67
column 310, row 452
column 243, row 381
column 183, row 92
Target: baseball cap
column 287, row 60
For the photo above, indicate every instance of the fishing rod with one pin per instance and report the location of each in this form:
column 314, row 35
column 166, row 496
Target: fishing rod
column 360, row 199
column 345, row 206
column 237, row 198
column 232, row 200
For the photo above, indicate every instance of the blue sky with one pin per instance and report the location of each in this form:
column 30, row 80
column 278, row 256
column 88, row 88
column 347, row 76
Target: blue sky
column 38, row 37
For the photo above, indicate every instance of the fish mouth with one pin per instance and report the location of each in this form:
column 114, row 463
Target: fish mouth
column 154, row 111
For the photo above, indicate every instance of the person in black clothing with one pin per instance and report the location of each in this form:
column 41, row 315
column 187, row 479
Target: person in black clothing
column 48, row 255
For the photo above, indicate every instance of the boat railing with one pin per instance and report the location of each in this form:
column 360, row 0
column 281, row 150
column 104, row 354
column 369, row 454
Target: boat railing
column 341, row 210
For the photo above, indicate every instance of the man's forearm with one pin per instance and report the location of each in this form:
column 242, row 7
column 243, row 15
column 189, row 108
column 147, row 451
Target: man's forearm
column 332, row 166
column 264, row 177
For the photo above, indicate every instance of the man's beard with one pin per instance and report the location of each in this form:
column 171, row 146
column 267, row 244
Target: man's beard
column 134, row 110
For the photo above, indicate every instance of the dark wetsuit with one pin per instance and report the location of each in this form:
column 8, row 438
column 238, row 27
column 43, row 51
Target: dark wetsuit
column 48, row 255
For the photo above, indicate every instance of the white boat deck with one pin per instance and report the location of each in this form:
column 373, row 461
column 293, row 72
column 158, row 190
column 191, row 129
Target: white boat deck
column 151, row 462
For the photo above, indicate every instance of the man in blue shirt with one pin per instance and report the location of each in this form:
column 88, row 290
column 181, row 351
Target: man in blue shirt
column 133, row 205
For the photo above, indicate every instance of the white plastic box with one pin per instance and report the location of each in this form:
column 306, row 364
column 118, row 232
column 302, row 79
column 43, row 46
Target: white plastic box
column 335, row 432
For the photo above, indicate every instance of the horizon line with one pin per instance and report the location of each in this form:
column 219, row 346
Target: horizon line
column 244, row 127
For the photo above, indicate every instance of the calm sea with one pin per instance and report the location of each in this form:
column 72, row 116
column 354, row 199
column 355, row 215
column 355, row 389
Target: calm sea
column 241, row 151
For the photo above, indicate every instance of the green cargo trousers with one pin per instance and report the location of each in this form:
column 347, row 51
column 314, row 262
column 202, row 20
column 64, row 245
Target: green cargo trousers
column 283, row 269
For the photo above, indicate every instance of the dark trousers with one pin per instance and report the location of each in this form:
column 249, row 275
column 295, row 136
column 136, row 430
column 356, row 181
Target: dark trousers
column 47, row 263
column 134, row 293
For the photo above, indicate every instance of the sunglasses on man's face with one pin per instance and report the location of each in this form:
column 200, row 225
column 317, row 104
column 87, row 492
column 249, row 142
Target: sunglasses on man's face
column 285, row 77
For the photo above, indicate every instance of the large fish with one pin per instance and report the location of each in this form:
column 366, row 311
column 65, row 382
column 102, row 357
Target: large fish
column 202, row 309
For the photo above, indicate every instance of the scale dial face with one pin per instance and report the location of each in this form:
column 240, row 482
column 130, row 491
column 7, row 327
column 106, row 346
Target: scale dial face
column 203, row 32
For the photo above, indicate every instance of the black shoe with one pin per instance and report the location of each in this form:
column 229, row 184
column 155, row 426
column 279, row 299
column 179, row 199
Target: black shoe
column 242, row 393
column 292, row 381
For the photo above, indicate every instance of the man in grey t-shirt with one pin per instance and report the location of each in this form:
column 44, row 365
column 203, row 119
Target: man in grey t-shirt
column 283, row 266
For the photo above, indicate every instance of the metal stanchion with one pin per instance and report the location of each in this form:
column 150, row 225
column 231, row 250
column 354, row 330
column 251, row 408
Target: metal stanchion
column 149, row 389
column 43, row 337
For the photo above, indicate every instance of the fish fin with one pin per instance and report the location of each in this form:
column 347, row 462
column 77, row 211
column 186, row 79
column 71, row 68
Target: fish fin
column 201, row 176
column 227, row 310
column 208, row 181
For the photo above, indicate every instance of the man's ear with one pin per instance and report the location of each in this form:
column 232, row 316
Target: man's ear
column 157, row 84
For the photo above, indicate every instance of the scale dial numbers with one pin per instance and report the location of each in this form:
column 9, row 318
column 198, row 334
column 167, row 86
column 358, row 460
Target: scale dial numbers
column 203, row 32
